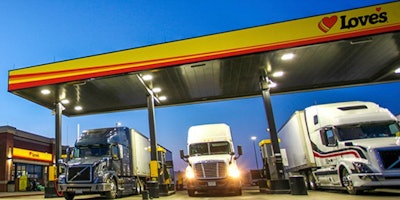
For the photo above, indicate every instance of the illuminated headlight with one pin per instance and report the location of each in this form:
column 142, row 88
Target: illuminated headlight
column 233, row 171
column 189, row 172
column 361, row 167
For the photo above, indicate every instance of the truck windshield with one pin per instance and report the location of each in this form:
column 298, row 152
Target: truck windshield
column 91, row 151
column 210, row 148
column 362, row 131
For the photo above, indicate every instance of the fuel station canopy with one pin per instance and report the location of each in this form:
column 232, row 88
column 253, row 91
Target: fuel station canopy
column 353, row 47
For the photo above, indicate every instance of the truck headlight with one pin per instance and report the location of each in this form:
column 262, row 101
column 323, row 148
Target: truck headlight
column 233, row 171
column 189, row 172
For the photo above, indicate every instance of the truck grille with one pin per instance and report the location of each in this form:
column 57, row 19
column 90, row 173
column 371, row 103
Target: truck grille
column 80, row 174
column 210, row 170
column 390, row 158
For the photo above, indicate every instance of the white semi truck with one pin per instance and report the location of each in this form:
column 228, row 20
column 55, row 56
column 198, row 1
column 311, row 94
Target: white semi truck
column 211, row 161
column 348, row 145
column 112, row 162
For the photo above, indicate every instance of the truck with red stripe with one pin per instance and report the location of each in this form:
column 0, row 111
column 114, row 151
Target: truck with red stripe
column 349, row 145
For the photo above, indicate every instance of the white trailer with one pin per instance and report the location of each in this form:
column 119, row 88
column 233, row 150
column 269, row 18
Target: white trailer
column 348, row 145
column 140, row 154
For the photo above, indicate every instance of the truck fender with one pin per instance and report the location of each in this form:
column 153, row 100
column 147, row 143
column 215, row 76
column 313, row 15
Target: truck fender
column 111, row 175
column 344, row 163
column 348, row 163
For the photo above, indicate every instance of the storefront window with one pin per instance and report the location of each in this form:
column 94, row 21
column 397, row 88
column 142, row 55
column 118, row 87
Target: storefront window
column 31, row 171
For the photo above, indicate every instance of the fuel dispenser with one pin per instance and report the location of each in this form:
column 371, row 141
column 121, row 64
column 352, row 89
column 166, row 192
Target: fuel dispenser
column 269, row 183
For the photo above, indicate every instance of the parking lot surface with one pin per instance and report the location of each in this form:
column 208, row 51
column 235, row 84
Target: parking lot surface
column 248, row 194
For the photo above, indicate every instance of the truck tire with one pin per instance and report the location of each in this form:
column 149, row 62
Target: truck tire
column 112, row 194
column 348, row 183
column 191, row 193
column 139, row 186
column 69, row 195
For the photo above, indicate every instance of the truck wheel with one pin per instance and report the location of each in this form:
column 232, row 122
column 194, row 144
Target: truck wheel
column 139, row 186
column 348, row 183
column 69, row 195
column 112, row 194
column 191, row 193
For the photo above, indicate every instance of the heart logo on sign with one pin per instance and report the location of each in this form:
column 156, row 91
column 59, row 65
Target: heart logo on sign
column 327, row 23
column 378, row 9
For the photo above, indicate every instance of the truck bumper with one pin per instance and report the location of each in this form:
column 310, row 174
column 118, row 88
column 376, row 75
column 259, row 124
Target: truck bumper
column 84, row 188
column 210, row 185
column 376, row 180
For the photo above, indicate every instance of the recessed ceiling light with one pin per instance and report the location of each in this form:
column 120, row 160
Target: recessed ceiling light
column 272, row 84
column 147, row 77
column 287, row 56
column 65, row 101
column 156, row 90
column 45, row 91
column 162, row 98
column 78, row 108
column 397, row 71
column 277, row 74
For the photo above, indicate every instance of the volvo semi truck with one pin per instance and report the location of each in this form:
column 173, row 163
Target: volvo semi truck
column 347, row 145
column 211, row 160
column 112, row 162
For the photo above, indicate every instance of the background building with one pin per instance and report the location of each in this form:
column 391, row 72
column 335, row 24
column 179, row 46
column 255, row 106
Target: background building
column 24, row 157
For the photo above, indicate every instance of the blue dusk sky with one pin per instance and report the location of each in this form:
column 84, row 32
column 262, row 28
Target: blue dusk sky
column 38, row 32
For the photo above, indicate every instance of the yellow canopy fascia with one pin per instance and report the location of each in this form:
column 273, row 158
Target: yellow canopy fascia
column 347, row 24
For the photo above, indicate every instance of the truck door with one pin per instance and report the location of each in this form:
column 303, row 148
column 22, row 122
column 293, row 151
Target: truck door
column 330, row 146
column 116, row 158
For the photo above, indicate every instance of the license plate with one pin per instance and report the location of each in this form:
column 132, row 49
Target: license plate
column 212, row 183
column 78, row 191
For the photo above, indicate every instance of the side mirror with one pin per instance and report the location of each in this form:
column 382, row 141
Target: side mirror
column 183, row 156
column 115, row 152
column 70, row 152
column 240, row 151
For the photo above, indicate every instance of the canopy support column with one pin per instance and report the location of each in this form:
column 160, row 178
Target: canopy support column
column 58, row 118
column 153, row 185
column 278, row 182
